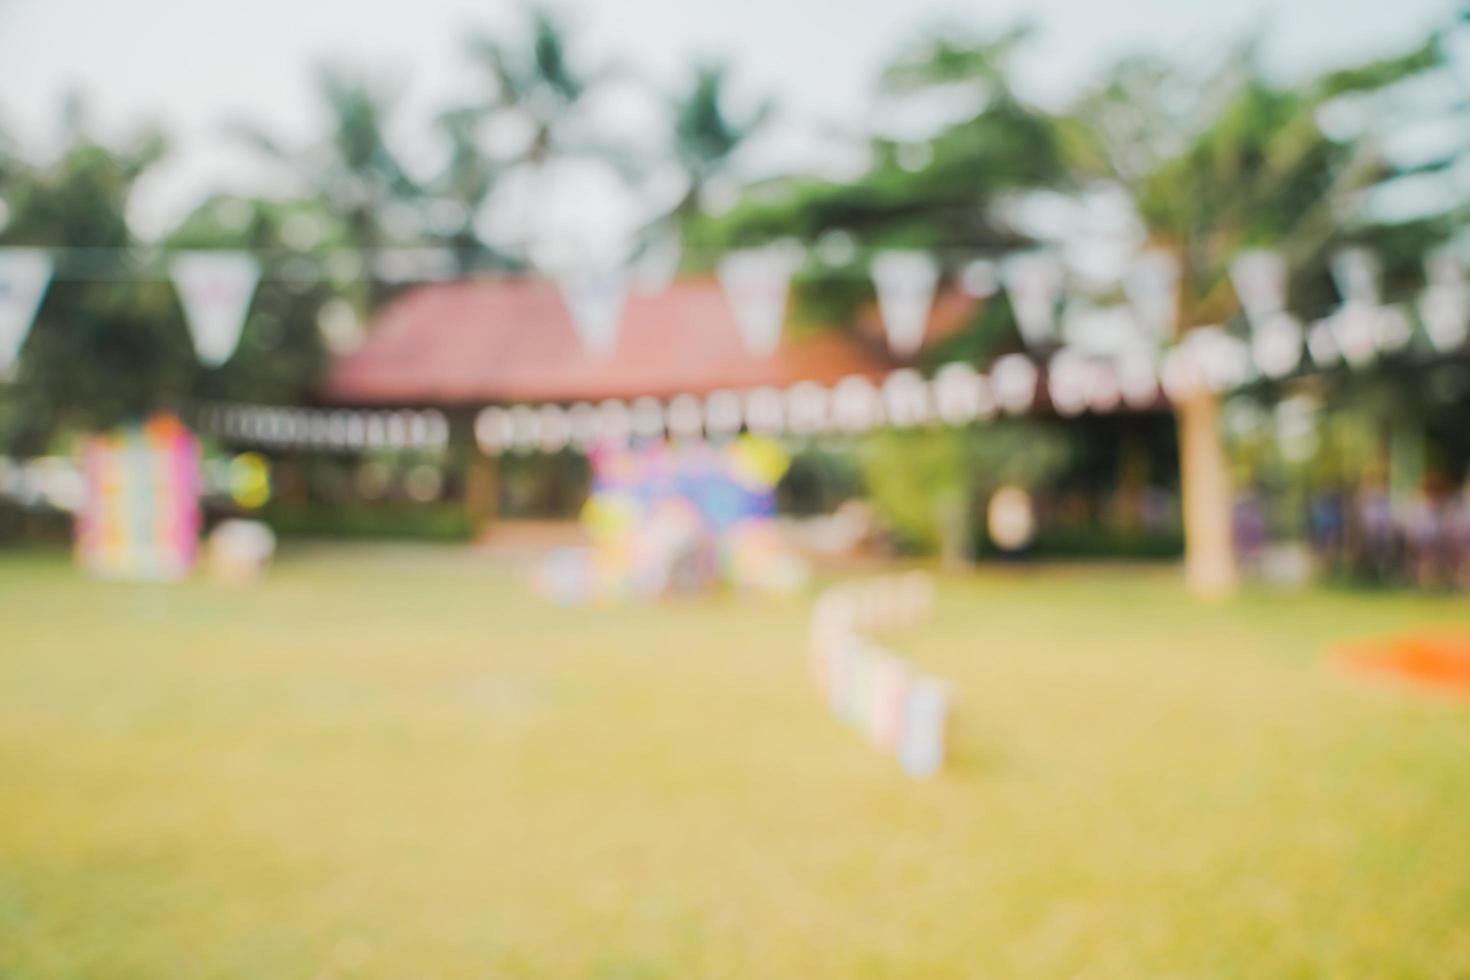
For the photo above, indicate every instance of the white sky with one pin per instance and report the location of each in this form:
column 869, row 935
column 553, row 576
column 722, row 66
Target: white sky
column 191, row 63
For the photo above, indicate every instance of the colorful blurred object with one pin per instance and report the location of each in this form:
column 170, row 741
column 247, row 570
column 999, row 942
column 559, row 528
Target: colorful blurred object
column 250, row 480
column 239, row 552
column 1440, row 663
column 900, row 709
column 671, row 519
column 139, row 515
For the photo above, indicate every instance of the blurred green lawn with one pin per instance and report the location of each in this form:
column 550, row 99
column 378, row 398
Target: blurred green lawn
column 393, row 762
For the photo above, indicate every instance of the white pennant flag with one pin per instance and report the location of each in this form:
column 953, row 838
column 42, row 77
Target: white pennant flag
column 24, row 275
column 1033, row 280
column 215, row 289
column 1322, row 343
column 980, row 279
column 1138, row 379
column 1445, row 305
column 756, row 282
column 656, row 269
column 1013, row 378
column 906, row 282
column 1445, row 310
column 1355, row 329
column 594, row 300
column 1067, row 381
column 1355, row 272
column 1259, row 278
column 1152, row 287
column 1276, row 345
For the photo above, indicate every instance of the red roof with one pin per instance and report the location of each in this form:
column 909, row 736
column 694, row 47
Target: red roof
column 513, row 341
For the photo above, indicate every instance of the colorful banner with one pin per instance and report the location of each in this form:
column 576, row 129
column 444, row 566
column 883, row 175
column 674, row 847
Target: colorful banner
column 139, row 519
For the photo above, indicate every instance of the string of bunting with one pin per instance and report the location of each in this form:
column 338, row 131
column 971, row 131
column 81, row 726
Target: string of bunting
column 216, row 289
column 328, row 429
column 957, row 395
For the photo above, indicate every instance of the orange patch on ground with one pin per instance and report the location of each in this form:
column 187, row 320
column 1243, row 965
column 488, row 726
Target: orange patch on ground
column 1441, row 662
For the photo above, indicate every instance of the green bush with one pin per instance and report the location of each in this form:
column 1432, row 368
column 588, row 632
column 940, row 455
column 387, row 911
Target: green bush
column 918, row 480
column 430, row 522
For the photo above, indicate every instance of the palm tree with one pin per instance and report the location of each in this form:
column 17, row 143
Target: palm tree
column 937, row 194
column 103, row 350
column 703, row 141
column 705, row 136
column 353, row 170
column 536, row 83
column 1253, row 170
column 460, row 191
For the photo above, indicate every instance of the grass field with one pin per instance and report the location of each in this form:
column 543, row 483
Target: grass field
column 396, row 763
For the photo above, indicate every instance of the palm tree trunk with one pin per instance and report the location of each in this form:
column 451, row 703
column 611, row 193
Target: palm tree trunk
column 1209, row 555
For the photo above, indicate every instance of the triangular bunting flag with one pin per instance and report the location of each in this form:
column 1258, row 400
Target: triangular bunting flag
column 906, row 282
column 980, row 279
column 655, row 270
column 594, row 300
column 1355, row 330
column 1276, row 345
column 756, row 282
column 24, row 275
column 1033, row 280
column 215, row 289
column 1445, row 305
column 1355, row 273
column 1322, row 343
column 1152, row 287
column 1445, row 310
column 1259, row 278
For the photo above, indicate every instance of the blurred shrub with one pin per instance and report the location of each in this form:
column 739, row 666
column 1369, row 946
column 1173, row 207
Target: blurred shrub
column 920, row 480
column 819, row 480
column 1105, row 542
column 20, row 525
column 431, row 522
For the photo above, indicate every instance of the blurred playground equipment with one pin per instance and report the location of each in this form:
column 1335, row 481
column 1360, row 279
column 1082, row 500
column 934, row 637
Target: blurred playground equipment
column 677, row 518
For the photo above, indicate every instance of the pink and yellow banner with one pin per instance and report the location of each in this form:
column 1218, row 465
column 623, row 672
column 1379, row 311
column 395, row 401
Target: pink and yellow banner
column 139, row 519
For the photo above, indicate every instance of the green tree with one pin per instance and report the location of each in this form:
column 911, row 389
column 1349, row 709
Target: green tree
column 705, row 137
column 539, row 99
column 281, row 354
column 108, row 344
column 534, row 81
column 460, row 191
column 928, row 484
column 936, row 193
column 353, row 171
column 939, row 194
column 1234, row 163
